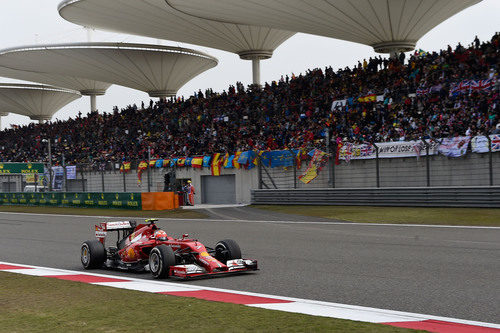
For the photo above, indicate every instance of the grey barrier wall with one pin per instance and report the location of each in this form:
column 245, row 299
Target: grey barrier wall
column 407, row 196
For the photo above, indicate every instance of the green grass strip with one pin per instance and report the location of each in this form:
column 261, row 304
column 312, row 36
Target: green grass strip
column 175, row 213
column 397, row 215
column 38, row 304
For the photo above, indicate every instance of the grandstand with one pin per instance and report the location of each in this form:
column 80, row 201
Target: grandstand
column 425, row 98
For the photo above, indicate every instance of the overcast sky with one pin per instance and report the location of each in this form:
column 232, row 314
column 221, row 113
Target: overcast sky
column 25, row 22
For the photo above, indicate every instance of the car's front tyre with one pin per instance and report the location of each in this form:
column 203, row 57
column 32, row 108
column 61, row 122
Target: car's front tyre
column 161, row 258
column 92, row 254
column 227, row 249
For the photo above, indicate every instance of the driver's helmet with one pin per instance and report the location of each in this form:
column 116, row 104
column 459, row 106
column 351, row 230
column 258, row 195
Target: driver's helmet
column 160, row 235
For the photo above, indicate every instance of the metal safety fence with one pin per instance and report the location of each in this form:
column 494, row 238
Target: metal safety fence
column 104, row 178
column 472, row 169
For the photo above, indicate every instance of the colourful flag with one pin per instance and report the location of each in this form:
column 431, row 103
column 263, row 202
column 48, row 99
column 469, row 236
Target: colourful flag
column 206, row 161
column 125, row 167
column 247, row 159
column 166, row 163
column 181, row 162
column 228, row 162
column 143, row 165
column 235, row 159
column 317, row 162
column 216, row 162
column 224, row 160
column 152, row 163
column 159, row 163
column 197, row 162
column 368, row 98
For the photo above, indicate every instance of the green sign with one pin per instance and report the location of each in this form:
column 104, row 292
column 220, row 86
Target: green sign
column 21, row 168
column 74, row 199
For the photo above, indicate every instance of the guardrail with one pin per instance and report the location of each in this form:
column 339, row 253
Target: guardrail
column 408, row 196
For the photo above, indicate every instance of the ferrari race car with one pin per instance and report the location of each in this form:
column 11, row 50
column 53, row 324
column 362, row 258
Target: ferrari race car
column 147, row 247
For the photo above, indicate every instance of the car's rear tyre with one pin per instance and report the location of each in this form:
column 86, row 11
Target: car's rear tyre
column 161, row 258
column 92, row 254
column 227, row 249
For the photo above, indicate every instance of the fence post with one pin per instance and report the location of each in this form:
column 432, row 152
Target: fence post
column 377, row 166
column 149, row 169
column 65, row 175
column 295, row 171
column 490, row 160
column 83, row 179
column 427, row 163
column 334, row 155
column 259, row 172
column 124, row 178
column 102, row 180
column 327, row 138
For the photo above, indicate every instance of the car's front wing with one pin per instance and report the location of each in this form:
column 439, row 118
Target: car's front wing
column 193, row 271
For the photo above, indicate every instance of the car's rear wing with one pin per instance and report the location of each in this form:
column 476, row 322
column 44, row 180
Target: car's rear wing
column 101, row 230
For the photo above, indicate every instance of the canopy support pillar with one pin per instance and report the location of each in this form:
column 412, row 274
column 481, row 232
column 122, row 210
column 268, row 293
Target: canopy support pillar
column 93, row 103
column 256, row 71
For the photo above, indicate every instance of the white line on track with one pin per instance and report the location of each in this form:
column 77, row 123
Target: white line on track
column 269, row 221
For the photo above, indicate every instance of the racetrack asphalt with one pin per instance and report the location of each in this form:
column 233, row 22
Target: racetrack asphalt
column 451, row 272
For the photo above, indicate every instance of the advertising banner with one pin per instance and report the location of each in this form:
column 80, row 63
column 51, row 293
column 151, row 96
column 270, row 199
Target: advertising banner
column 395, row 149
column 479, row 144
column 405, row 149
column 454, row 147
column 71, row 172
column 75, row 199
column 495, row 142
column 57, row 181
column 351, row 151
column 21, row 168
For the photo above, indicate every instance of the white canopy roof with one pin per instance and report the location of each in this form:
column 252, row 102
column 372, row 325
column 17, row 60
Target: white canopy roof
column 157, row 70
column 387, row 25
column 39, row 102
column 157, row 19
column 84, row 86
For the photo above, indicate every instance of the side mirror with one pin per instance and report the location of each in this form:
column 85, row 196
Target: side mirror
column 185, row 236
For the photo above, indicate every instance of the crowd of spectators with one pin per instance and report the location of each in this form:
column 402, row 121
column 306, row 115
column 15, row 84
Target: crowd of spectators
column 291, row 112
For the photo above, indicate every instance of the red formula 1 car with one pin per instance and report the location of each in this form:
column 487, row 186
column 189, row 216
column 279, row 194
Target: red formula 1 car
column 145, row 246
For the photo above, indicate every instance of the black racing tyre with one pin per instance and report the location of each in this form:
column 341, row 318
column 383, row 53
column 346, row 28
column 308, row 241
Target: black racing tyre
column 227, row 249
column 161, row 258
column 92, row 254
